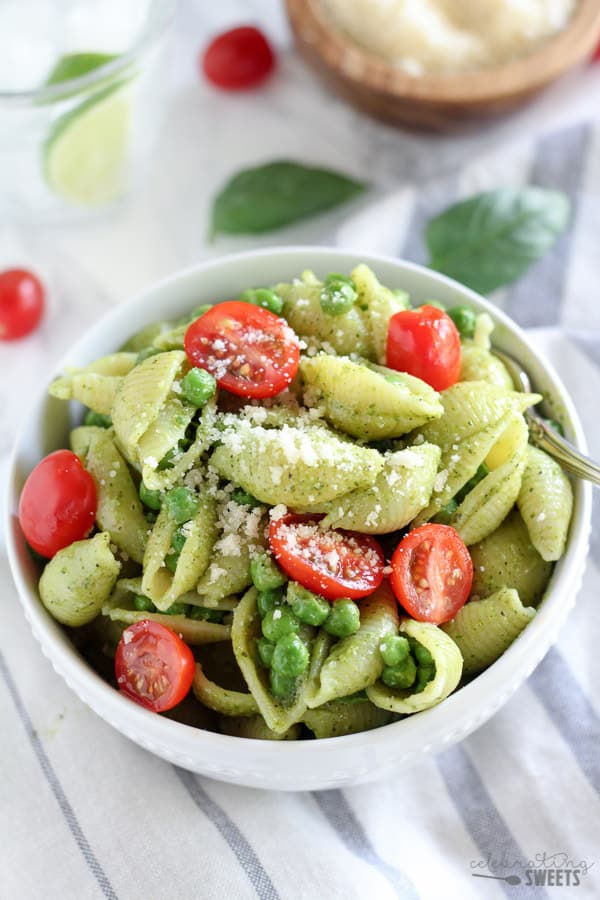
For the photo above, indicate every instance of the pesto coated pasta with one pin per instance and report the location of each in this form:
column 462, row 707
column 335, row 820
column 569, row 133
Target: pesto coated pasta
column 324, row 543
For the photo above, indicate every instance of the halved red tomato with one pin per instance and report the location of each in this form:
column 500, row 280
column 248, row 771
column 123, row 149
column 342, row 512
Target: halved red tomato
column 432, row 573
column 329, row 562
column 249, row 350
column 153, row 666
column 425, row 343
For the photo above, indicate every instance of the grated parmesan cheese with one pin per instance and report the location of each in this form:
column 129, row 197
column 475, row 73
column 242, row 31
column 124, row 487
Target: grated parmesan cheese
column 441, row 36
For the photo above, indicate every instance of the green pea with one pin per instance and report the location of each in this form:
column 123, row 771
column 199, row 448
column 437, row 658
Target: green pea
column 182, row 504
column 337, row 297
column 479, row 475
column 198, row 386
column 444, row 517
column 310, row 608
column 99, row 420
column 425, row 674
column 264, row 297
column 143, row 604
column 465, row 320
column 177, row 609
column 282, row 686
column 151, row 499
column 202, row 614
column 266, row 574
column 265, row 651
column 171, row 560
column 421, row 653
column 146, row 353
column 394, row 649
column 553, row 423
column 178, row 540
column 290, row 656
column 400, row 676
column 436, row 304
column 278, row 622
column 343, row 619
column 267, row 600
column 244, row 498
column 333, row 277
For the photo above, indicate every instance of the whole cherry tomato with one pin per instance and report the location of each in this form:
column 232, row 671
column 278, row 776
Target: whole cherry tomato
column 425, row 343
column 21, row 303
column 58, row 503
column 238, row 59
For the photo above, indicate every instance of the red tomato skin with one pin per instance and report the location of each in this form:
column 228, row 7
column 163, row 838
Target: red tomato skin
column 425, row 343
column 238, row 59
column 147, row 643
column 418, row 606
column 21, row 303
column 58, row 503
column 322, row 582
column 244, row 315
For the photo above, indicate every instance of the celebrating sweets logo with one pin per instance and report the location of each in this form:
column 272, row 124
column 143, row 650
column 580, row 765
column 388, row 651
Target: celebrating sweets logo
column 544, row 870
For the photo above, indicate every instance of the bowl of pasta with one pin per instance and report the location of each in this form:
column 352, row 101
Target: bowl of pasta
column 278, row 519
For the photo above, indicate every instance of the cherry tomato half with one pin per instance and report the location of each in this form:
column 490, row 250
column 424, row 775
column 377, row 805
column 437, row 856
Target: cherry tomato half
column 425, row 343
column 432, row 573
column 153, row 665
column 21, row 303
column 58, row 503
column 328, row 562
column 238, row 59
column 250, row 351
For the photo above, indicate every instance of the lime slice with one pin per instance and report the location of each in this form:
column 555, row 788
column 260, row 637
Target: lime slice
column 86, row 153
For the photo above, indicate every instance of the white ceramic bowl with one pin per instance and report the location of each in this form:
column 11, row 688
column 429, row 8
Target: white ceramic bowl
column 304, row 765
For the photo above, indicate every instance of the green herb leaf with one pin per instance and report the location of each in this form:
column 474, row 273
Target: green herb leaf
column 276, row 194
column 491, row 239
column 74, row 65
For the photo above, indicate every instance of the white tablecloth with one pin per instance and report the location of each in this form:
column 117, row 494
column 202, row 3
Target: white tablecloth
column 84, row 813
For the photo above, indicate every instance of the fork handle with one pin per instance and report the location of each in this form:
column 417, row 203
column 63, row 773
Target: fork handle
column 544, row 437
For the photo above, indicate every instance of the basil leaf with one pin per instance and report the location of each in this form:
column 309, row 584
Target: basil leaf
column 276, row 194
column 491, row 239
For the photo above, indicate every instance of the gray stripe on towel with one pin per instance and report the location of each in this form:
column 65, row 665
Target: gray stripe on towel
column 56, row 787
column 484, row 823
column 246, row 856
column 571, row 712
column 339, row 814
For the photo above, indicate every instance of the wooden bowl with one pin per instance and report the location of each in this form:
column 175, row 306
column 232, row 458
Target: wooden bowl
column 437, row 102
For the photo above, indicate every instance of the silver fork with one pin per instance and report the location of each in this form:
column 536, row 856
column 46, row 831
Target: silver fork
column 543, row 435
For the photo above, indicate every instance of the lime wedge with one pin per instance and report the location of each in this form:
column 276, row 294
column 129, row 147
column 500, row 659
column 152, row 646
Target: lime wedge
column 86, row 153
column 74, row 65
